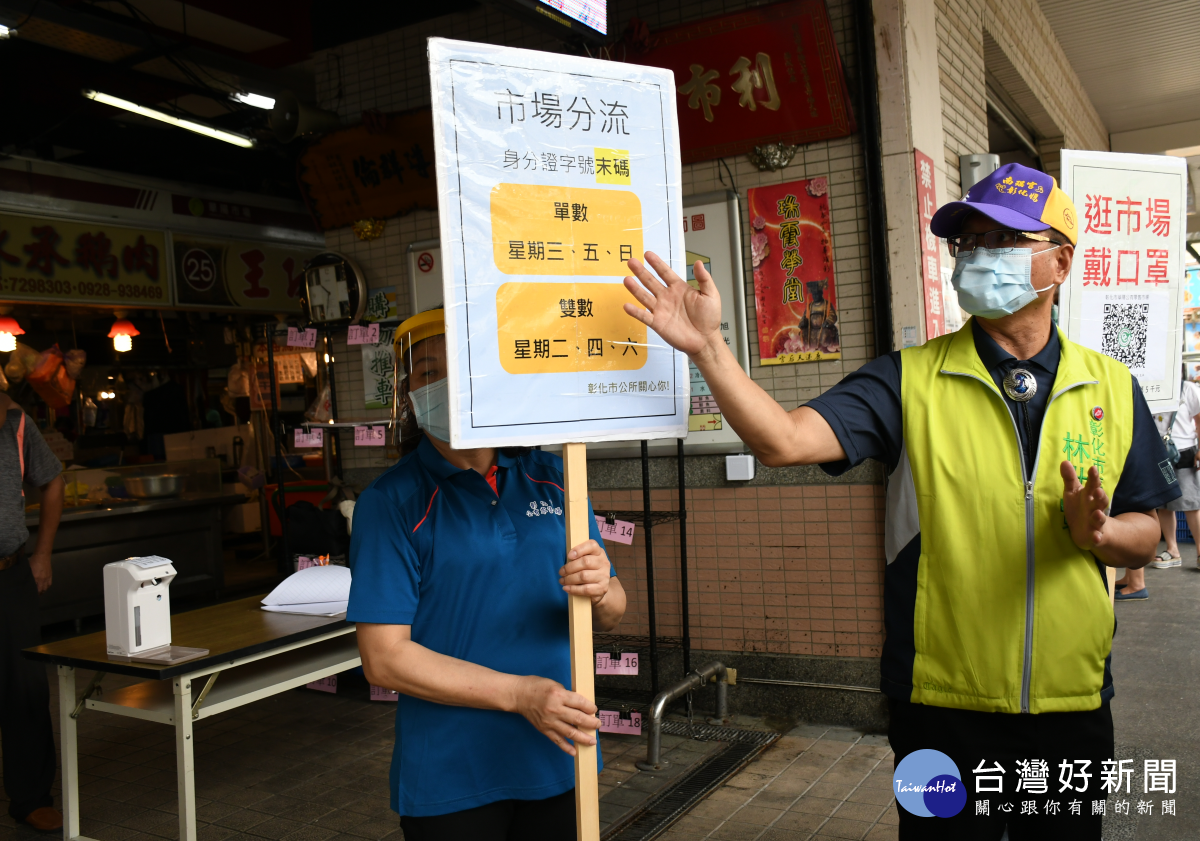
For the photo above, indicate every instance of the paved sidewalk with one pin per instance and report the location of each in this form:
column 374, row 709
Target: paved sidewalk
column 306, row 766
column 1156, row 672
column 815, row 782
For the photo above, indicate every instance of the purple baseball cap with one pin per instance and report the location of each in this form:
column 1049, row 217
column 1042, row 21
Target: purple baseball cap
column 1016, row 196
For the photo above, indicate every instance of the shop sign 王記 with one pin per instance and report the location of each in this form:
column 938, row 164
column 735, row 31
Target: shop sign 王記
column 237, row 275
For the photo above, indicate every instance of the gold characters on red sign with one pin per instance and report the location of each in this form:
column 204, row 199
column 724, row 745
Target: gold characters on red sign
column 704, row 94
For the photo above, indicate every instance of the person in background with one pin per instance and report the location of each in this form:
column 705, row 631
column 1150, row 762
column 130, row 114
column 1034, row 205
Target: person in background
column 1180, row 426
column 460, row 586
column 26, row 733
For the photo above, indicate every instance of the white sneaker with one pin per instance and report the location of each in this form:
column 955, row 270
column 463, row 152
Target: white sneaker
column 1165, row 561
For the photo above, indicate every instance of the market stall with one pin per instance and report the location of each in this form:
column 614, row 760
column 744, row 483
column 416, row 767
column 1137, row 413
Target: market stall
column 134, row 339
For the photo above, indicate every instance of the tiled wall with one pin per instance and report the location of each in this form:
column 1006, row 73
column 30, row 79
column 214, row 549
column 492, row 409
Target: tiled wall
column 786, row 569
column 390, row 73
column 1051, row 91
column 774, row 569
column 781, row 570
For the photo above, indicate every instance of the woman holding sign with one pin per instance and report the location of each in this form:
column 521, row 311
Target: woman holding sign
column 460, row 594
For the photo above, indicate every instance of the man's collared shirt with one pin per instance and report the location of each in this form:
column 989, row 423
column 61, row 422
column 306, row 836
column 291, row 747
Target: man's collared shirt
column 41, row 466
column 474, row 571
column 1043, row 367
column 866, row 416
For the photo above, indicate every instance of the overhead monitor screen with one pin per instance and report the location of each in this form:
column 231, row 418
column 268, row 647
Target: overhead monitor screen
column 592, row 14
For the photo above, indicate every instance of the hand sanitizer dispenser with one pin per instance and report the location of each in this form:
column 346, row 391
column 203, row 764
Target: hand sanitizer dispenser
column 137, row 606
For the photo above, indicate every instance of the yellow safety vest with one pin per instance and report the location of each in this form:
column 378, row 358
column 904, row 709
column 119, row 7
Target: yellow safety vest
column 1010, row 615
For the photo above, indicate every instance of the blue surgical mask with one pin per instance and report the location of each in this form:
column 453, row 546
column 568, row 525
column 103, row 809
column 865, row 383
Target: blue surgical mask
column 432, row 405
column 993, row 283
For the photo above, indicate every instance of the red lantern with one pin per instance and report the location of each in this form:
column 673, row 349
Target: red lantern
column 9, row 330
column 121, row 333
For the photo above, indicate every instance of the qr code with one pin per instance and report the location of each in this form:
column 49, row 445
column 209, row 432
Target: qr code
column 1125, row 333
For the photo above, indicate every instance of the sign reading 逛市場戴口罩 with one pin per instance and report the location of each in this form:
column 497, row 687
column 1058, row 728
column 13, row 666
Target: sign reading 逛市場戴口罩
column 1125, row 294
column 553, row 171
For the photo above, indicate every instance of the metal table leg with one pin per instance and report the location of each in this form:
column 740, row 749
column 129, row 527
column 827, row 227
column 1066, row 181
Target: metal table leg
column 185, row 766
column 70, row 752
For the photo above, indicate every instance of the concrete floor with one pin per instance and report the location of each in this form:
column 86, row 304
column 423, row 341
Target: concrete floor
column 307, row 766
column 1156, row 711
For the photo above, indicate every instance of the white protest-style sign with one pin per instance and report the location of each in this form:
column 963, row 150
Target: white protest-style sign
column 1125, row 292
column 553, row 171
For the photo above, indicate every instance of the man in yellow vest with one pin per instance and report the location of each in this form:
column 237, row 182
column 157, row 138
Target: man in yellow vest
column 1020, row 466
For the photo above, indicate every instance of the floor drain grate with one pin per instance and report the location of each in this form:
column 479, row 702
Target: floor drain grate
column 673, row 802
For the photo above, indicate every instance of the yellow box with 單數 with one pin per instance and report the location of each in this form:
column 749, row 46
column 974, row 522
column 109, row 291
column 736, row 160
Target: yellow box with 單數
column 560, row 328
column 570, row 231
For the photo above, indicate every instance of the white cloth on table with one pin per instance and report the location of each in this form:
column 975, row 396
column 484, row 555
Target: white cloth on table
column 316, row 591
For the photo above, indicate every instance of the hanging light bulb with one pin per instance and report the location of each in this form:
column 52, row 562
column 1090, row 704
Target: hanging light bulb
column 9, row 330
column 122, row 334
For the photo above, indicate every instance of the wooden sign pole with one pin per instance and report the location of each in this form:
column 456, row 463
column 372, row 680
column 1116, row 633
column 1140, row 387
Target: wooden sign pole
column 583, row 671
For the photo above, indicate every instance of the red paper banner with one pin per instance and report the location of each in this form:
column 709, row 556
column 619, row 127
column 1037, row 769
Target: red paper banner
column 931, row 261
column 794, row 292
column 760, row 76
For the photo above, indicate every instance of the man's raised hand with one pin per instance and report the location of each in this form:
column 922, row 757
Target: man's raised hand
column 1084, row 507
column 687, row 319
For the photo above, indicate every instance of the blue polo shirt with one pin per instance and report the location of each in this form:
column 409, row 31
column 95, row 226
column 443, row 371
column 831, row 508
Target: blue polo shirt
column 475, row 573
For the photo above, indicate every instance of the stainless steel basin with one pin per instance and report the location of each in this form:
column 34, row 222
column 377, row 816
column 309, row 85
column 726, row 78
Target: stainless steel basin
column 148, row 487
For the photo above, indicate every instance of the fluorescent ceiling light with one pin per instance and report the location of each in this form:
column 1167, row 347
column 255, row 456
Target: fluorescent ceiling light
column 161, row 116
column 257, row 100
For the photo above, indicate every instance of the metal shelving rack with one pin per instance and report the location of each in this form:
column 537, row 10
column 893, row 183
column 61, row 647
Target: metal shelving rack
column 651, row 644
column 648, row 519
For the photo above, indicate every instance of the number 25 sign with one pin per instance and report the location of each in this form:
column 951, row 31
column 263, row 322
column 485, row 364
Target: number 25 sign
column 234, row 275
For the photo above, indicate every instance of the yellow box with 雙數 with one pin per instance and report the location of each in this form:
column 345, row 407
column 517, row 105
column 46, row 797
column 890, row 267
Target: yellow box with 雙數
column 559, row 328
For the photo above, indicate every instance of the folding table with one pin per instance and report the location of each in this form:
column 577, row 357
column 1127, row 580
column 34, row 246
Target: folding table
column 253, row 654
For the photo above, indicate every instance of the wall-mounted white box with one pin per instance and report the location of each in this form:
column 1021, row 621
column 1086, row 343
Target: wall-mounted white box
column 739, row 468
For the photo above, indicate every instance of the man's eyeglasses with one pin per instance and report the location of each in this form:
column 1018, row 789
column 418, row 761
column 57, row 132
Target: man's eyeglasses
column 1003, row 240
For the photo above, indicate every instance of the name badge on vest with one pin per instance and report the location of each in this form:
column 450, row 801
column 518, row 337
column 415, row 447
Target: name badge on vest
column 1020, row 385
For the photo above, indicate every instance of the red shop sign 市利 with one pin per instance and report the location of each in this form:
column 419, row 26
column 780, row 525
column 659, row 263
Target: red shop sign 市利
column 765, row 75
